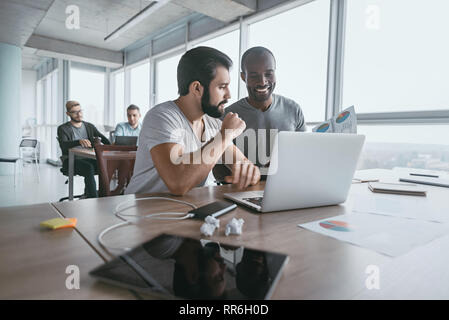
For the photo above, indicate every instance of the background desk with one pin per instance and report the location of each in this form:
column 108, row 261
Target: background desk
column 320, row 267
column 33, row 260
column 89, row 153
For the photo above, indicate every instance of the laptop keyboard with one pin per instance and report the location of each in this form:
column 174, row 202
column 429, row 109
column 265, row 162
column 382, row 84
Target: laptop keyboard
column 255, row 200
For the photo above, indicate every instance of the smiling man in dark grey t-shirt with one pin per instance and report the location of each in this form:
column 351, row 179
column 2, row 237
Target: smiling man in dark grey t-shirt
column 262, row 110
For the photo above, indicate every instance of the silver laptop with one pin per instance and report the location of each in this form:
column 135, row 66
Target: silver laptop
column 306, row 170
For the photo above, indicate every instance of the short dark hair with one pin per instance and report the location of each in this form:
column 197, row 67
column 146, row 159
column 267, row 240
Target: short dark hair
column 200, row 64
column 133, row 107
column 257, row 51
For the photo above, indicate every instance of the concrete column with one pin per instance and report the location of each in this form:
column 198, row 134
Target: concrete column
column 10, row 84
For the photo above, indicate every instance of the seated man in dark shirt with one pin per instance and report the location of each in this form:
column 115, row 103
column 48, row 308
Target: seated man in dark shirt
column 78, row 133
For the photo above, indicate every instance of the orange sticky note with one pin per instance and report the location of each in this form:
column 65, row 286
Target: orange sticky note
column 59, row 223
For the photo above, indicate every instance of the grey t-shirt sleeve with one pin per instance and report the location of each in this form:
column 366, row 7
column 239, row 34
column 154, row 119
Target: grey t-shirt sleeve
column 164, row 127
column 301, row 122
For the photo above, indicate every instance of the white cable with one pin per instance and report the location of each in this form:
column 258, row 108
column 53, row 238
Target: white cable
column 118, row 209
column 102, row 233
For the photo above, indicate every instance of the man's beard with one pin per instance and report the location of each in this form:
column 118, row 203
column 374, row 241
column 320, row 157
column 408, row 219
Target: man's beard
column 76, row 120
column 208, row 108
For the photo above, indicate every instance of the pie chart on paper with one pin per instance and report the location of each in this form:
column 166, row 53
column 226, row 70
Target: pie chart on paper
column 323, row 127
column 342, row 116
column 336, row 225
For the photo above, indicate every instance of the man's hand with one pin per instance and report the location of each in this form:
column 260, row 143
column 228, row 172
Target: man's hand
column 232, row 126
column 244, row 174
column 85, row 143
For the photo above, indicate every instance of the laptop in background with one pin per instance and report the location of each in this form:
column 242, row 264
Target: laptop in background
column 126, row 140
column 308, row 170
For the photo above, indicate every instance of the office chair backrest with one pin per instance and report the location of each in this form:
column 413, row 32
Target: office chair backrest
column 107, row 167
column 28, row 143
column 112, row 136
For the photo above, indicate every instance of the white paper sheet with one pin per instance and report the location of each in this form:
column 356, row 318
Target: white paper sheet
column 388, row 235
column 402, row 206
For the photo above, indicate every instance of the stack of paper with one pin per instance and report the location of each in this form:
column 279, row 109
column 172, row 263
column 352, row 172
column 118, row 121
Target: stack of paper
column 397, row 188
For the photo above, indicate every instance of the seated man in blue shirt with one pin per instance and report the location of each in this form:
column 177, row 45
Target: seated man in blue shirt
column 132, row 127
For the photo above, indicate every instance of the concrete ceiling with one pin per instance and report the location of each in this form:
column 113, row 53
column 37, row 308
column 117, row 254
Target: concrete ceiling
column 41, row 24
column 100, row 17
column 19, row 19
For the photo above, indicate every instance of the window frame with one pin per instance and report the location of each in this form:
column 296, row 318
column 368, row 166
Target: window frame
column 128, row 69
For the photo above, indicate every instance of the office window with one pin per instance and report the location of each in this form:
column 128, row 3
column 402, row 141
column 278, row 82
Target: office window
column 298, row 39
column 119, row 97
column 87, row 87
column 39, row 101
column 55, row 114
column 54, row 98
column 166, row 81
column 140, row 87
column 228, row 44
column 415, row 146
column 48, row 99
column 47, row 112
column 396, row 55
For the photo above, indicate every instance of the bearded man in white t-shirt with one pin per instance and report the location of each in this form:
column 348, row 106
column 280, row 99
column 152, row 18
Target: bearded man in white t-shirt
column 182, row 140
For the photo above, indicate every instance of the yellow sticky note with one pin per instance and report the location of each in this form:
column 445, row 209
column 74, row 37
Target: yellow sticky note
column 59, row 223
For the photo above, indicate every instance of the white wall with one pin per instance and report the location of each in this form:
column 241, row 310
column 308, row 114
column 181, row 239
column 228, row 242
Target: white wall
column 28, row 97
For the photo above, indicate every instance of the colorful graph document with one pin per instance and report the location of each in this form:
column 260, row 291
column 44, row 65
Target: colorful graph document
column 388, row 235
column 344, row 122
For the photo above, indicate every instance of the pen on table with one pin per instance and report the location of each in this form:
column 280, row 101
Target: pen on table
column 423, row 175
column 357, row 180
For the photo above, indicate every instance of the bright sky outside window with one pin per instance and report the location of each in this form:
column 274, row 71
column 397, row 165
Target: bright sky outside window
column 228, row 44
column 298, row 39
column 396, row 55
column 140, row 87
column 166, row 81
column 119, row 97
column 87, row 87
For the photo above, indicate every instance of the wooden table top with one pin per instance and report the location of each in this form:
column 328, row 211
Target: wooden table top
column 34, row 260
column 320, row 267
column 109, row 155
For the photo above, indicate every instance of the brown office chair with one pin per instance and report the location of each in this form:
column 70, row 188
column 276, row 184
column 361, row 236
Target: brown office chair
column 107, row 168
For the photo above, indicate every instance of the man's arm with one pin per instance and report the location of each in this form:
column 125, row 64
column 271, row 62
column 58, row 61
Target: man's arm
column 64, row 141
column 243, row 171
column 104, row 140
column 119, row 130
column 182, row 172
column 301, row 125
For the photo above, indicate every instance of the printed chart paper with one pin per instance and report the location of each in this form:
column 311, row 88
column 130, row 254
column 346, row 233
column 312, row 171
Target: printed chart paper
column 388, row 235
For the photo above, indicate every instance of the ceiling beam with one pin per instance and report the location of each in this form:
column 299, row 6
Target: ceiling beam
column 55, row 48
column 136, row 19
column 222, row 10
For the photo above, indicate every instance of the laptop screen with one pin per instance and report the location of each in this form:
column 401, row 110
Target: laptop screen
column 177, row 267
column 126, row 140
